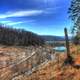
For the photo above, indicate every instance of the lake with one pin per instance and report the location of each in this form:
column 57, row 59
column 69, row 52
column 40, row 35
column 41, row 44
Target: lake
column 60, row 49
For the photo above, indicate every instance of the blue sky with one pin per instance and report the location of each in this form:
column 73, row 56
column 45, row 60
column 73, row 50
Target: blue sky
column 44, row 17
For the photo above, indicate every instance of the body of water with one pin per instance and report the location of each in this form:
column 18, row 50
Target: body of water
column 60, row 49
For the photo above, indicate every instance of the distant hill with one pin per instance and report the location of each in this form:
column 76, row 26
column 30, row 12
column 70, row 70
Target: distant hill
column 19, row 37
column 53, row 38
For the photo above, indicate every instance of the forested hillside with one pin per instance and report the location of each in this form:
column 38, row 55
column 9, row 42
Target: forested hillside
column 19, row 37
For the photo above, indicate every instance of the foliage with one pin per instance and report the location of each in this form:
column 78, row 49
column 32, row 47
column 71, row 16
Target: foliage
column 74, row 12
column 76, row 40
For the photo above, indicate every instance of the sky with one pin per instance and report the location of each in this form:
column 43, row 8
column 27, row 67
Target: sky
column 44, row 17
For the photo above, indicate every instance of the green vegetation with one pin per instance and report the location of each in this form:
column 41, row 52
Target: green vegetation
column 74, row 12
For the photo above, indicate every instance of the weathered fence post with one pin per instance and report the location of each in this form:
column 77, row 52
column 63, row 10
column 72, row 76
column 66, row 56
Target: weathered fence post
column 67, row 42
column 69, row 59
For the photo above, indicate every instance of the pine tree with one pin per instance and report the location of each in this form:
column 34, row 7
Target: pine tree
column 74, row 12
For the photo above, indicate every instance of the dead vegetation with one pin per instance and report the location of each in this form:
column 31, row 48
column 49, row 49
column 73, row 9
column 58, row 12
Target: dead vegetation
column 50, row 70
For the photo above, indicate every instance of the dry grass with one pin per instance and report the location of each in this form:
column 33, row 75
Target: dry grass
column 53, row 70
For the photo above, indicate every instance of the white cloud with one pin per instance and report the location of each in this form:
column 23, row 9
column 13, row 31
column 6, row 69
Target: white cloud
column 24, row 13
column 11, row 23
column 14, row 23
column 21, row 13
column 4, row 22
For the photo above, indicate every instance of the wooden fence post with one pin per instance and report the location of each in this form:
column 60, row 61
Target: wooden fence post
column 67, row 42
column 69, row 59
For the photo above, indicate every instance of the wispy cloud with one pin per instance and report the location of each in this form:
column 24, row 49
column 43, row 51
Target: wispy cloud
column 25, row 13
column 12, row 23
column 21, row 13
column 5, row 21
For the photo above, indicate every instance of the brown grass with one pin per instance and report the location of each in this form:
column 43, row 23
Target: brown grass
column 53, row 70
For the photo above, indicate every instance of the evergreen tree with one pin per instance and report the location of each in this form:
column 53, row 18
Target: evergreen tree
column 74, row 12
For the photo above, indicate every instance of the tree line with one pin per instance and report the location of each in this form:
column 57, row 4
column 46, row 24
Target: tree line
column 19, row 37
